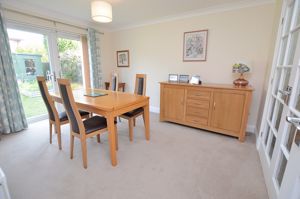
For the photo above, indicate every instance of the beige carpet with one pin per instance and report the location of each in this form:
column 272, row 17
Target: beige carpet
column 178, row 163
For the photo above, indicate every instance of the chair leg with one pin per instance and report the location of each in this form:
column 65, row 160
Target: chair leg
column 84, row 152
column 143, row 119
column 98, row 138
column 50, row 131
column 134, row 121
column 130, row 121
column 58, row 131
column 71, row 145
column 117, row 139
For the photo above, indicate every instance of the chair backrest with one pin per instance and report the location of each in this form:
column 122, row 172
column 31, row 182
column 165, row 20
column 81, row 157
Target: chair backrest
column 114, row 83
column 140, row 84
column 52, row 112
column 70, row 106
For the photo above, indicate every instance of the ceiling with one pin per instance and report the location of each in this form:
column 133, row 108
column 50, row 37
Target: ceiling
column 126, row 13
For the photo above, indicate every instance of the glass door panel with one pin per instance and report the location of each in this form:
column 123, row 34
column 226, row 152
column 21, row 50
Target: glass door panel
column 30, row 56
column 290, row 137
column 281, row 169
column 70, row 59
column 294, row 45
column 298, row 15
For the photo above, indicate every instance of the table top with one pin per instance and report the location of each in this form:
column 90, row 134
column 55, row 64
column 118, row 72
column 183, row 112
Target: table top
column 110, row 102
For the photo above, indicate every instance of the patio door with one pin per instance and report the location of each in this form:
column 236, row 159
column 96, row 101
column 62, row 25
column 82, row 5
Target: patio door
column 30, row 50
column 70, row 59
column 278, row 142
column 47, row 53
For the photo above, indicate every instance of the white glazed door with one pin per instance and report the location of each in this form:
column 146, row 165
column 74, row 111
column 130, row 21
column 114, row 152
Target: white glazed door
column 278, row 150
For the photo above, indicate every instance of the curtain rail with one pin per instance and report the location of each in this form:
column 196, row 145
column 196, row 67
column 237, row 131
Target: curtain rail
column 46, row 19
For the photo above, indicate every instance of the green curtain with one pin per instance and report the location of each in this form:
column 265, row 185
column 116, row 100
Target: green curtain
column 95, row 58
column 12, row 116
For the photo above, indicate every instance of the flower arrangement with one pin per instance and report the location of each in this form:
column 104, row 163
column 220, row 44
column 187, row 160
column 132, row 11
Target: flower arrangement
column 240, row 68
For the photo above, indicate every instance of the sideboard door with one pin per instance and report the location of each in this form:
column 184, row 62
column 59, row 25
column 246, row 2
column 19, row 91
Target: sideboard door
column 228, row 110
column 173, row 103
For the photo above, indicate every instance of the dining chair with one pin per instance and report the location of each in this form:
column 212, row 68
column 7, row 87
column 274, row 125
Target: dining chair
column 55, row 119
column 114, row 82
column 140, row 89
column 81, row 129
column 114, row 85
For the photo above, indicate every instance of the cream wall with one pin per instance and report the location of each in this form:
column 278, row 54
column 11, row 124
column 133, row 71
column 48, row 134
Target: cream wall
column 237, row 35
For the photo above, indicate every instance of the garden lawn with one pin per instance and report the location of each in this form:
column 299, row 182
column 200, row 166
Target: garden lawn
column 33, row 106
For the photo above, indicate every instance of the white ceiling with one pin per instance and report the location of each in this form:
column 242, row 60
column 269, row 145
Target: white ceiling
column 126, row 13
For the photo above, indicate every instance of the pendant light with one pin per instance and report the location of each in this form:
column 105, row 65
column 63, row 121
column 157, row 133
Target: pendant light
column 101, row 11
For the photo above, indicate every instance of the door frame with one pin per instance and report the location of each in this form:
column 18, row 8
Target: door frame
column 271, row 163
column 271, row 75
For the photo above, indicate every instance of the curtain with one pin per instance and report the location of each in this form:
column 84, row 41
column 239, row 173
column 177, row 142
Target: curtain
column 12, row 116
column 95, row 58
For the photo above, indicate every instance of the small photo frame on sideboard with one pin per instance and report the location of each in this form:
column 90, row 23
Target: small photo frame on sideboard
column 123, row 58
column 184, row 78
column 173, row 78
column 195, row 79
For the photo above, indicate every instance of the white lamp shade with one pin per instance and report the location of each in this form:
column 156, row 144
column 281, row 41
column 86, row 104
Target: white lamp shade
column 101, row 11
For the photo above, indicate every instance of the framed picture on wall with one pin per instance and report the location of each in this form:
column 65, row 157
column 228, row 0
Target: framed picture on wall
column 123, row 58
column 195, row 45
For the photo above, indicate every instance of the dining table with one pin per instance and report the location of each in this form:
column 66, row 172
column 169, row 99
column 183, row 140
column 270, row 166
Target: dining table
column 110, row 104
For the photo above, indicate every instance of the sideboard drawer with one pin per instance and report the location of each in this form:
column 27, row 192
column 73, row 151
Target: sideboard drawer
column 196, row 120
column 196, row 94
column 198, row 103
column 198, row 112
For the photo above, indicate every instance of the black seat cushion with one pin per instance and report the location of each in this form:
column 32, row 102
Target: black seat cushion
column 95, row 123
column 134, row 112
column 63, row 115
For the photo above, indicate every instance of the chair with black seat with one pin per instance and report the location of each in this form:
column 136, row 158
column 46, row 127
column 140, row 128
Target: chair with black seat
column 55, row 119
column 81, row 129
column 114, row 82
column 140, row 89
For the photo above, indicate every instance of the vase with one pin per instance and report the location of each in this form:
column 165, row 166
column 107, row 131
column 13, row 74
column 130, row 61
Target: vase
column 241, row 81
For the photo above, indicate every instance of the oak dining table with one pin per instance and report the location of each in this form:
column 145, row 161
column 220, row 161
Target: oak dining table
column 110, row 105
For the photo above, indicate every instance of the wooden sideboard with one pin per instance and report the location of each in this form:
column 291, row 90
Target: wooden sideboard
column 219, row 108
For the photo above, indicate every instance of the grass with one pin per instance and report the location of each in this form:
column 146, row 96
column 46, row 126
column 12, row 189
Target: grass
column 32, row 86
column 33, row 106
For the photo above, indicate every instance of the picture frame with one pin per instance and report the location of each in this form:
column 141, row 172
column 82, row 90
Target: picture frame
column 173, row 78
column 123, row 58
column 195, row 45
column 195, row 79
column 184, row 78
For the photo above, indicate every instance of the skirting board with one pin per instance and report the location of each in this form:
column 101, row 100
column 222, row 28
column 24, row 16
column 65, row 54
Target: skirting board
column 250, row 128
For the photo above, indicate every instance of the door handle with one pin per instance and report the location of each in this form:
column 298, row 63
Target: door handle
column 296, row 122
column 286, row 93
column 54, row 76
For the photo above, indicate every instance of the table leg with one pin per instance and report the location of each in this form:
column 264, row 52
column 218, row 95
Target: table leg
column 147, row 123
column 112, row 140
